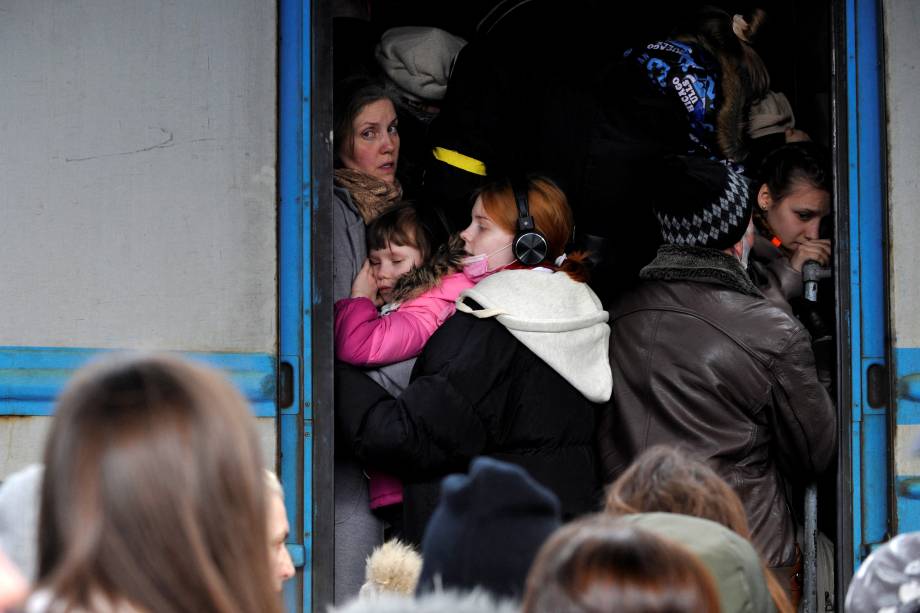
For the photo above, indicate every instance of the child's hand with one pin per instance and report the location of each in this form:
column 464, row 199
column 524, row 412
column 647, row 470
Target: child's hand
column 365, row 285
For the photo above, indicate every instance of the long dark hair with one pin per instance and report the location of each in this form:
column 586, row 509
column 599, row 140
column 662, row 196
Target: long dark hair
column 744, row 77
column 600, row 564
column 153, row 494
column 802, row 162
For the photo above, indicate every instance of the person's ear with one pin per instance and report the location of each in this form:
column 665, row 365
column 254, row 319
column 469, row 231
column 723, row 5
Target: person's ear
column 764, row 199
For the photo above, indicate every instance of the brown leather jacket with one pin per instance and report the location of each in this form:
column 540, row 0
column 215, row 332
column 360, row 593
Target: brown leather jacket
column 700, row 359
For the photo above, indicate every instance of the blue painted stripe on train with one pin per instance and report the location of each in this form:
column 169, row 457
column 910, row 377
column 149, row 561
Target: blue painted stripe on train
column 907, row 381
column 853, row 321
column 908, row 502
column 866, row 314
column 32, row 377
column 907, row 378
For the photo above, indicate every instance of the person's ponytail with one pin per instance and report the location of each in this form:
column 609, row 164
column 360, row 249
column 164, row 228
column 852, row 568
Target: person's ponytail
column 576, row 266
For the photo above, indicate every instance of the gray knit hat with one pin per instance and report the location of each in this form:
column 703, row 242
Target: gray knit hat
column 419, row 60
column 701, row 202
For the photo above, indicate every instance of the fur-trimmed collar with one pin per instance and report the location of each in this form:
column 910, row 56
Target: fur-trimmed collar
column 446, row 260
column 700, row 265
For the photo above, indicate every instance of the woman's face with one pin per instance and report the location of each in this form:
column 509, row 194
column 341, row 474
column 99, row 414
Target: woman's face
column 797, row 217
column 282, row 567
column 485, row 237
column 375, row 144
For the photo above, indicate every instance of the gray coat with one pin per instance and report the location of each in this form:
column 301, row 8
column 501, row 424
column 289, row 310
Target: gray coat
column 357, row 531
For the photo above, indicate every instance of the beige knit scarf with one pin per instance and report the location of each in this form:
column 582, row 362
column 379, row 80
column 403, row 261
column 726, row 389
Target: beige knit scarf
column 372, row 196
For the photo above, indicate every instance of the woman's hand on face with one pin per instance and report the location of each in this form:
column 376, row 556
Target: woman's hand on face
column 365, row 285
column 818, row 250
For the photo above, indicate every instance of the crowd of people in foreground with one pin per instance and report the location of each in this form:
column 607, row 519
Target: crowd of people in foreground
column 152, row 498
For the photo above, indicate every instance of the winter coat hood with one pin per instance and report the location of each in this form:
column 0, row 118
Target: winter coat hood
column 476, row 601
column 731, row 559
column 560, row 320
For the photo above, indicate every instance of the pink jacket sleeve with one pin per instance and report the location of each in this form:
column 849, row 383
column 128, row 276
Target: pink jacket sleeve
column 363, row 338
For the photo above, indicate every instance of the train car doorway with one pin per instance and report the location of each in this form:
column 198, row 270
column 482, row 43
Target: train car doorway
column 824, row 57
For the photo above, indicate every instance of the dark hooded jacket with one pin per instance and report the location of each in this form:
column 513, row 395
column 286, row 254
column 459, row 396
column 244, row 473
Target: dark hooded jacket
column 510, row 379
column 701, row 359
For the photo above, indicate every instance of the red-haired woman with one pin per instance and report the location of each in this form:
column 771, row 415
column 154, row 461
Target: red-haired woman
column 515, row 374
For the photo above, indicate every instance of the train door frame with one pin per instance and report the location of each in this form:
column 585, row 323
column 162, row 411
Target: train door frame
column 305, row 278
column 305, row 425
column 863, row 492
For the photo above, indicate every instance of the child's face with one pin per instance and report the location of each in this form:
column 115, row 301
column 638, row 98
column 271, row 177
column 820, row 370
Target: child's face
column 389, row 264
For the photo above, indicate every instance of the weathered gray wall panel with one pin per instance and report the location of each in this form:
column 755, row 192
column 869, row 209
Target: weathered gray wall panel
column 137, row 190
column 902, row 43
column 22, row 441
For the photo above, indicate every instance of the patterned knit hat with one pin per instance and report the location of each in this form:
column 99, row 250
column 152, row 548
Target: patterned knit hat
column 701, row 203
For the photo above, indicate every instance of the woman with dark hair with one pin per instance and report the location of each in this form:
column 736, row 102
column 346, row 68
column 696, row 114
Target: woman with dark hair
column 792, row 195
column 666, row 479
column 366, row 146
column 515, row 374
column 601, row 564
column 153, row 496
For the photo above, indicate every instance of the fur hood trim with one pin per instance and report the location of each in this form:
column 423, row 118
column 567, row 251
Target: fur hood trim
column 393, row 567
column 446, row 260
column 477, row 601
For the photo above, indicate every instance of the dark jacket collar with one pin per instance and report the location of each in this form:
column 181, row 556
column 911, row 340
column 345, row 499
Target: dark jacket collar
column 699, row 265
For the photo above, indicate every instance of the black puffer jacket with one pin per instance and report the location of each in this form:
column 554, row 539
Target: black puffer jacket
column 476, row 390
column 701, row 359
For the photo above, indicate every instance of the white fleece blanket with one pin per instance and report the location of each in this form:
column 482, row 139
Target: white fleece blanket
column 560, row 320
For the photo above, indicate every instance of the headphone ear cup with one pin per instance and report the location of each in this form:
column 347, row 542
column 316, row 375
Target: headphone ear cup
column 530, row 248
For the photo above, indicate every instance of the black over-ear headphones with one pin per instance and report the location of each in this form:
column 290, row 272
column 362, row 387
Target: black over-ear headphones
column 529, row 246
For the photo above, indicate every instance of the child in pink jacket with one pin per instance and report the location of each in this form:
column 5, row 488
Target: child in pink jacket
column 415, row 291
